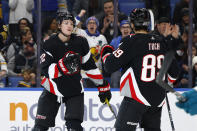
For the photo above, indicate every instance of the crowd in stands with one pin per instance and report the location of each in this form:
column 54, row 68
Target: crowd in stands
column 97, row 22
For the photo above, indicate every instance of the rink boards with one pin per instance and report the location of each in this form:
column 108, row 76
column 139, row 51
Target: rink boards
column 18, row 109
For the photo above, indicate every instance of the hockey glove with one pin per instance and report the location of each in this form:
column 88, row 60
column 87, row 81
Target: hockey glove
column 105, row 51
column 104, row 91
column 70, row 63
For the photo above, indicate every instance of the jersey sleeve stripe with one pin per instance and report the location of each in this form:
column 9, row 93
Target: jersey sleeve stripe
column 94, row 74
column 51, row 86
column 43, row 81
column 105, row 56
column 171, row 79
column 53, row 71
column 56, row 72
column 86, row 57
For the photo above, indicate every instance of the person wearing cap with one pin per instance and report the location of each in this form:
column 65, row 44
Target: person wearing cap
column 95, row 41
column 161, row 26
column 125, row 30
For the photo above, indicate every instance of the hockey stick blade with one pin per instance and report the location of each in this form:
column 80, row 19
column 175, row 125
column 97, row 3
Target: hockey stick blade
column 110, row 107
column 164, row 68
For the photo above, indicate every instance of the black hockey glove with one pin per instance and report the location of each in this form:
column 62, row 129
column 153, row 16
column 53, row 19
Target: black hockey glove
column 106, row 50
column 104, row 91
column 70, row 63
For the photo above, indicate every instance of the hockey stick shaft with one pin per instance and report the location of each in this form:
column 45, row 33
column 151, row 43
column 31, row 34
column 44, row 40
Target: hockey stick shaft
column 170, row 113
column 110, row 107
column 164, row 69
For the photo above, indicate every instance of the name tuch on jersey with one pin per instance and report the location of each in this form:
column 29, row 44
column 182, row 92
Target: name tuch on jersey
column 154, row 46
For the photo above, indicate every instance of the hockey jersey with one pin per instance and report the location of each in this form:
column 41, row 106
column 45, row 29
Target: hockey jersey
column 140, row 56
column 53, row 50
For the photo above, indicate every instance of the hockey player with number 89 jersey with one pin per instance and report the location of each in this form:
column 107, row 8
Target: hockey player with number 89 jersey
column 140, row 57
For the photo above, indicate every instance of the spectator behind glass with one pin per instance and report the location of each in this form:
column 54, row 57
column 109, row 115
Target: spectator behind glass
column 184, row 23
column 3, row 34
column 28, row 79
column 161, row 26
column 182, row 80
column 106, row 20
column 49, row 27
column 16, row 47
column 95, row 41
column 179, row 6
column 19, row 9
column 125, row 30
column 25, row 59
column 22, row 23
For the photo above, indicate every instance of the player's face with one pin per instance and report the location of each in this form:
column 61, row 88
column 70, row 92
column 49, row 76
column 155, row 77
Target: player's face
column 92, row 27
column 67, row 27
column 125, row 30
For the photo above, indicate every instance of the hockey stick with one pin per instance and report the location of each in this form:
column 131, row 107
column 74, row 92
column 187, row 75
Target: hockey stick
column 164, row 68
column 169, row 113
column 110, row 107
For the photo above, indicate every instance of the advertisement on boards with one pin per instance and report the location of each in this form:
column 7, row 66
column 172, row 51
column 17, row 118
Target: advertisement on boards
column 18, row 110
